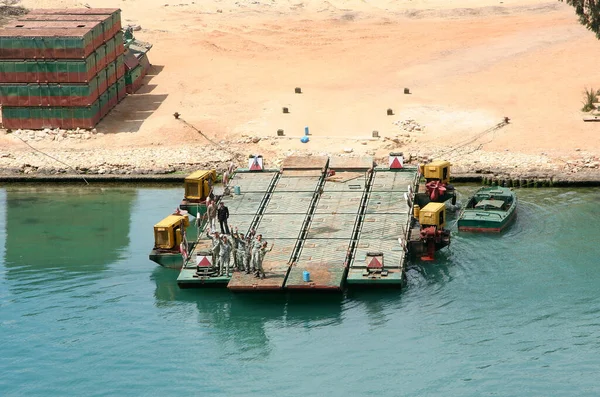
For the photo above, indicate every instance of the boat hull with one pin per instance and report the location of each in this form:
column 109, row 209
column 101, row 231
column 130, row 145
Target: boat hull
column 478, row 226
column 193, row 208
column 172, row 260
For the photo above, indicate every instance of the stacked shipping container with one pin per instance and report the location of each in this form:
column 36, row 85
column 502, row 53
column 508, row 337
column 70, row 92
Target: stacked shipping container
column 61, row 68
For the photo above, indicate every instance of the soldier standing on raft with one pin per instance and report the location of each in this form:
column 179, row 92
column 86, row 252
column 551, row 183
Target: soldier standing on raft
column 211, row 212
column 216, row 244
column 224, row 256
column 223, row 215
column 260, row 272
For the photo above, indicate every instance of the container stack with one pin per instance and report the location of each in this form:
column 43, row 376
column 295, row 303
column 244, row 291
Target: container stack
column 61, row 68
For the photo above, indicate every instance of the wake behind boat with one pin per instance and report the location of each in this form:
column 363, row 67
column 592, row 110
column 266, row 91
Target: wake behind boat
column 490, row 209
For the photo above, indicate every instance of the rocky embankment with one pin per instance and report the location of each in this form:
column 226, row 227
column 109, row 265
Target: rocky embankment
column 60, row 154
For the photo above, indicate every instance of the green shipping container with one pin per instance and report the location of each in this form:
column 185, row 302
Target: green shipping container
column 51, row 117
column 101, row 81
column 104, row 104
column 121, row 89
column 120, row 66
column 105, row 21
column 120, row 43
column 95, row 27
column 100, row 55
column 48, row 71
column 48, row 94
column 113, row 13
column 110, row 51
column 132, row 75
column 17, row 43
column 111, row 73
column 113, row 97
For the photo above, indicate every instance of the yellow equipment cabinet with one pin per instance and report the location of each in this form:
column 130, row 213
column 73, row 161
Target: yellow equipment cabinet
column 433, row 214
column 167, row 233
column 198, row 184
column 437, row 169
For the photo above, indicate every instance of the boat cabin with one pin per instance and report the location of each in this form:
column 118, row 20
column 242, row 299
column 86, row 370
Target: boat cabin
column 168, row 232
column 199, row 184
column 491, row 200
column 433, row 214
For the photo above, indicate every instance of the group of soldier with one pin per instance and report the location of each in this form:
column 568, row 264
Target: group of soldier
column 248, row 252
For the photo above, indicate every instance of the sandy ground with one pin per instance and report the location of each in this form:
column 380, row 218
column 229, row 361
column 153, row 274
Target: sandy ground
column 228, row 67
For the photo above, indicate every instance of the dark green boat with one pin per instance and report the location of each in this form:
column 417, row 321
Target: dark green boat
column 490, row 209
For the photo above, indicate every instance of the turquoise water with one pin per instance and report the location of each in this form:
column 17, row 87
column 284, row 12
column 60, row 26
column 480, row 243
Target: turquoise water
column 84, row 312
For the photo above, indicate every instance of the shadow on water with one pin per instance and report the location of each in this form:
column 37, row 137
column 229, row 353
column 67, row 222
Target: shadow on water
column 65, row 228
column 244, row 316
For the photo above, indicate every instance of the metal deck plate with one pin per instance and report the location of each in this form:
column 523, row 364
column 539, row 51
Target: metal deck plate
column 394, row 180
column 245, row 203
column 384, row 226
column 254, row 182
column 339, row 203
column 324, row 260
column 317, row 251
column 387, row 203
column 344, row 182
column 289, row 202
column 351, row 163
column 331, row 226
column 297, row 184
column 276, row 226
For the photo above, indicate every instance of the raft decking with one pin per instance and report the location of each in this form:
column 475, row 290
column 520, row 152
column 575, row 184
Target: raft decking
column 386, row 219
column 320, row 223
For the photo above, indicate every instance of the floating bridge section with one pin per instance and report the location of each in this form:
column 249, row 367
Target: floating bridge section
column 322, row 216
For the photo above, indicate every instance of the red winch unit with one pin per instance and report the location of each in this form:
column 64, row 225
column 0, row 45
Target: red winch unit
column 433, row 239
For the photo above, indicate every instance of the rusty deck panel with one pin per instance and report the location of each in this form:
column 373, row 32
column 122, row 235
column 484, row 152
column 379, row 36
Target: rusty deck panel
column 351, row 163
column 275, row 265
column 340, row 181
column 324, row 260
column 328, row 237
column 332, row 226
column 305, row 163
column 339, row 202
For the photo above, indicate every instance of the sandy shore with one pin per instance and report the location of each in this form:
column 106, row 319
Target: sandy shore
column 229, row 67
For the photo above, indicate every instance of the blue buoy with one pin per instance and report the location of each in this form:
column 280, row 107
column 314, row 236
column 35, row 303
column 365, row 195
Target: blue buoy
column 306, row 131
column 306, row 276
column 304, row 139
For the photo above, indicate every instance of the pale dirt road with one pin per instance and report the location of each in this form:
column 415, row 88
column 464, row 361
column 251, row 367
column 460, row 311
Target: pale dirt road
column 228, row 67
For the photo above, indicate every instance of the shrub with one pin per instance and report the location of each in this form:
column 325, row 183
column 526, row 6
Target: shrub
column 590, row 97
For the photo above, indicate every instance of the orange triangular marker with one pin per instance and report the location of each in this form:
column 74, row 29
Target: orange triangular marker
column 255, row 165
column 374, row 263
column 396, row 163
column 204, row 262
